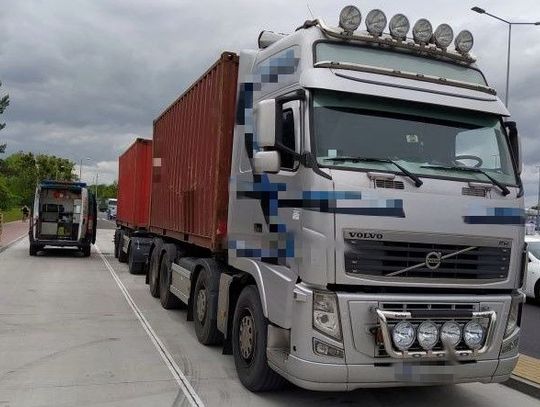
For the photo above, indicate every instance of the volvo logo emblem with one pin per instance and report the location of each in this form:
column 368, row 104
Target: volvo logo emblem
column 433, row 260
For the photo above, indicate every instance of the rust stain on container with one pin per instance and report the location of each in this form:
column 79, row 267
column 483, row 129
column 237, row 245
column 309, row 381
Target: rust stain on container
column 134, row 177
column 192, row 149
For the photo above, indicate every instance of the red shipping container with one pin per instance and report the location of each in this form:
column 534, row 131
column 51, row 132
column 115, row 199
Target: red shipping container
column 192, row 159
column 134, row 177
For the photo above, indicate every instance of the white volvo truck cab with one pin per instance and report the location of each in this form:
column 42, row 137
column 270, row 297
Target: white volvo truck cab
column 376, row 203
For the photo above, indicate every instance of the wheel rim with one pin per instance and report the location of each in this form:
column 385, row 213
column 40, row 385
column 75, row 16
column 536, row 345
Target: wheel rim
column 247, row 336
column 201, row 304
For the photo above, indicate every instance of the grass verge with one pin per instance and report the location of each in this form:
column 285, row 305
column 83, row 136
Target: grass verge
column 12, row 214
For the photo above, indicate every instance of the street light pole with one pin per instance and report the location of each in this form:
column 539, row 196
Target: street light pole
column 538, row 202
column 80, row 167
column 510, row 24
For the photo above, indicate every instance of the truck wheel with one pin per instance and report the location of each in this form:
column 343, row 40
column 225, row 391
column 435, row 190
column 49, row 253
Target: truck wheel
column 122, row 256
column 249, row 344
column 153, row 271
column 168, row 299
column 86, row 250
column 134, row 268
column 116, row 243
column 203, row 302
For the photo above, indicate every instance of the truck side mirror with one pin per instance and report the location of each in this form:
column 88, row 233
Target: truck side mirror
column 266, row 161
column 265, row 123
column 513, row 138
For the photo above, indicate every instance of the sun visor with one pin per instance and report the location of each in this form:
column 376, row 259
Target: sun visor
column 405, row 89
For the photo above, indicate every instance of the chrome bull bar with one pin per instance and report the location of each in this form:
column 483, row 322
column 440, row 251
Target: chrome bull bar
column 448, row 352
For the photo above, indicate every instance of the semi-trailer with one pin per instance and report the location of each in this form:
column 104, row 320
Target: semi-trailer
column 133, row 204
column 64, row 214
column 342, row 209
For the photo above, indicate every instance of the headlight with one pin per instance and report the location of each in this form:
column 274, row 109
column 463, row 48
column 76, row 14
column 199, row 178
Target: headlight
column 443, row 36
column 428, row 335
column 376, row 22
column 473, row 334
column 514, row 316
column 326, row 314
column 403, row 335
column 399, row 27
column 422, row 31
column 451, row 333
column 464, row 41
column 350, row 18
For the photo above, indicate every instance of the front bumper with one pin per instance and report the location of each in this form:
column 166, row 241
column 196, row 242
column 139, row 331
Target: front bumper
column 336, row 377
column 364, row 366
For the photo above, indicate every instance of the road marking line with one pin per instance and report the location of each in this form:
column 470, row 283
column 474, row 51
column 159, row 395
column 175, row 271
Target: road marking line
column 175, row 370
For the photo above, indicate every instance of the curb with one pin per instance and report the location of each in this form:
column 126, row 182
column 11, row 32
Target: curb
column 524, row 386
column 17, row 240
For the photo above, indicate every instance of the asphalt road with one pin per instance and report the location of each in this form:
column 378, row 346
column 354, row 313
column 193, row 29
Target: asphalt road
column 104, row 223
column 69, row 336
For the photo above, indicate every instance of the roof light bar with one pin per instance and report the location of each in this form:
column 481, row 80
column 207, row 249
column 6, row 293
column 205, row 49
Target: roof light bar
column 464, row 42
column 350, row 19
column 399, row 27
column 376, row 22
column 443, row 36
column 422, row 31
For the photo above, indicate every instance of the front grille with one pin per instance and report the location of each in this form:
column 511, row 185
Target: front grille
column 393, row 259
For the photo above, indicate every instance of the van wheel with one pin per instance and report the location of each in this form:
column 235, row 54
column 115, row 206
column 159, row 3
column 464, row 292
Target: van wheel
column 168, row 299
column 204, row 306
column 537, row 292
column 122, row 257
column 33, row 249
column 249, row 344
column 86, row 250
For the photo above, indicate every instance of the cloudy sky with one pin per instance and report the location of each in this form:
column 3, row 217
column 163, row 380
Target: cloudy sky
column 86, row 77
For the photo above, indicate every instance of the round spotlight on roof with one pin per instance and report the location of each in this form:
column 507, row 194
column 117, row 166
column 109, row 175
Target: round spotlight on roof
column 443, row 36
column 376, row 22
column 399, row 27
column 350, row 18
column 422, row 31
column 464, row 41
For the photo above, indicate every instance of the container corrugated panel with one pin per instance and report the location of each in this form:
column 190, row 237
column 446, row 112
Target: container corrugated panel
column 134, row 178
column 192, row 159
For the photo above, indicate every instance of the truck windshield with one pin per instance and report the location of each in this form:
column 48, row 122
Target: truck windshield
column 427, row 140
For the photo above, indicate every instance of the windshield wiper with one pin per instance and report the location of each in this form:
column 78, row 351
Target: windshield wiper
column 417, row 181
column 505, row 191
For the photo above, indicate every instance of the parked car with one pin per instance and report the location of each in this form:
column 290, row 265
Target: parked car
column 531, row 286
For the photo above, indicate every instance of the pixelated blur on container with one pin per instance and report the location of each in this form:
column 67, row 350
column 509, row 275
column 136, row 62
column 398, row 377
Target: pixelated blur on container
column 192, row 159
column 134, row 177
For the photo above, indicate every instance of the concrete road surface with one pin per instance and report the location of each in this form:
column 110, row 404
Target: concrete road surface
column 74, row 332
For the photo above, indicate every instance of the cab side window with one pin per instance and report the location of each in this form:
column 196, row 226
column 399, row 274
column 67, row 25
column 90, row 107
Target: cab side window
column 288, row 139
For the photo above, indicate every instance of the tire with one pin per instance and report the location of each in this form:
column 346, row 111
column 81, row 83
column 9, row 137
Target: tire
column 122, row 257
column 250, row 355
column 153, row 271
column 537, row 292
column 134, row 268
column 86, row 250
column 116, row 243
column 205, row 299
column 168, row 300
column 33, row 249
